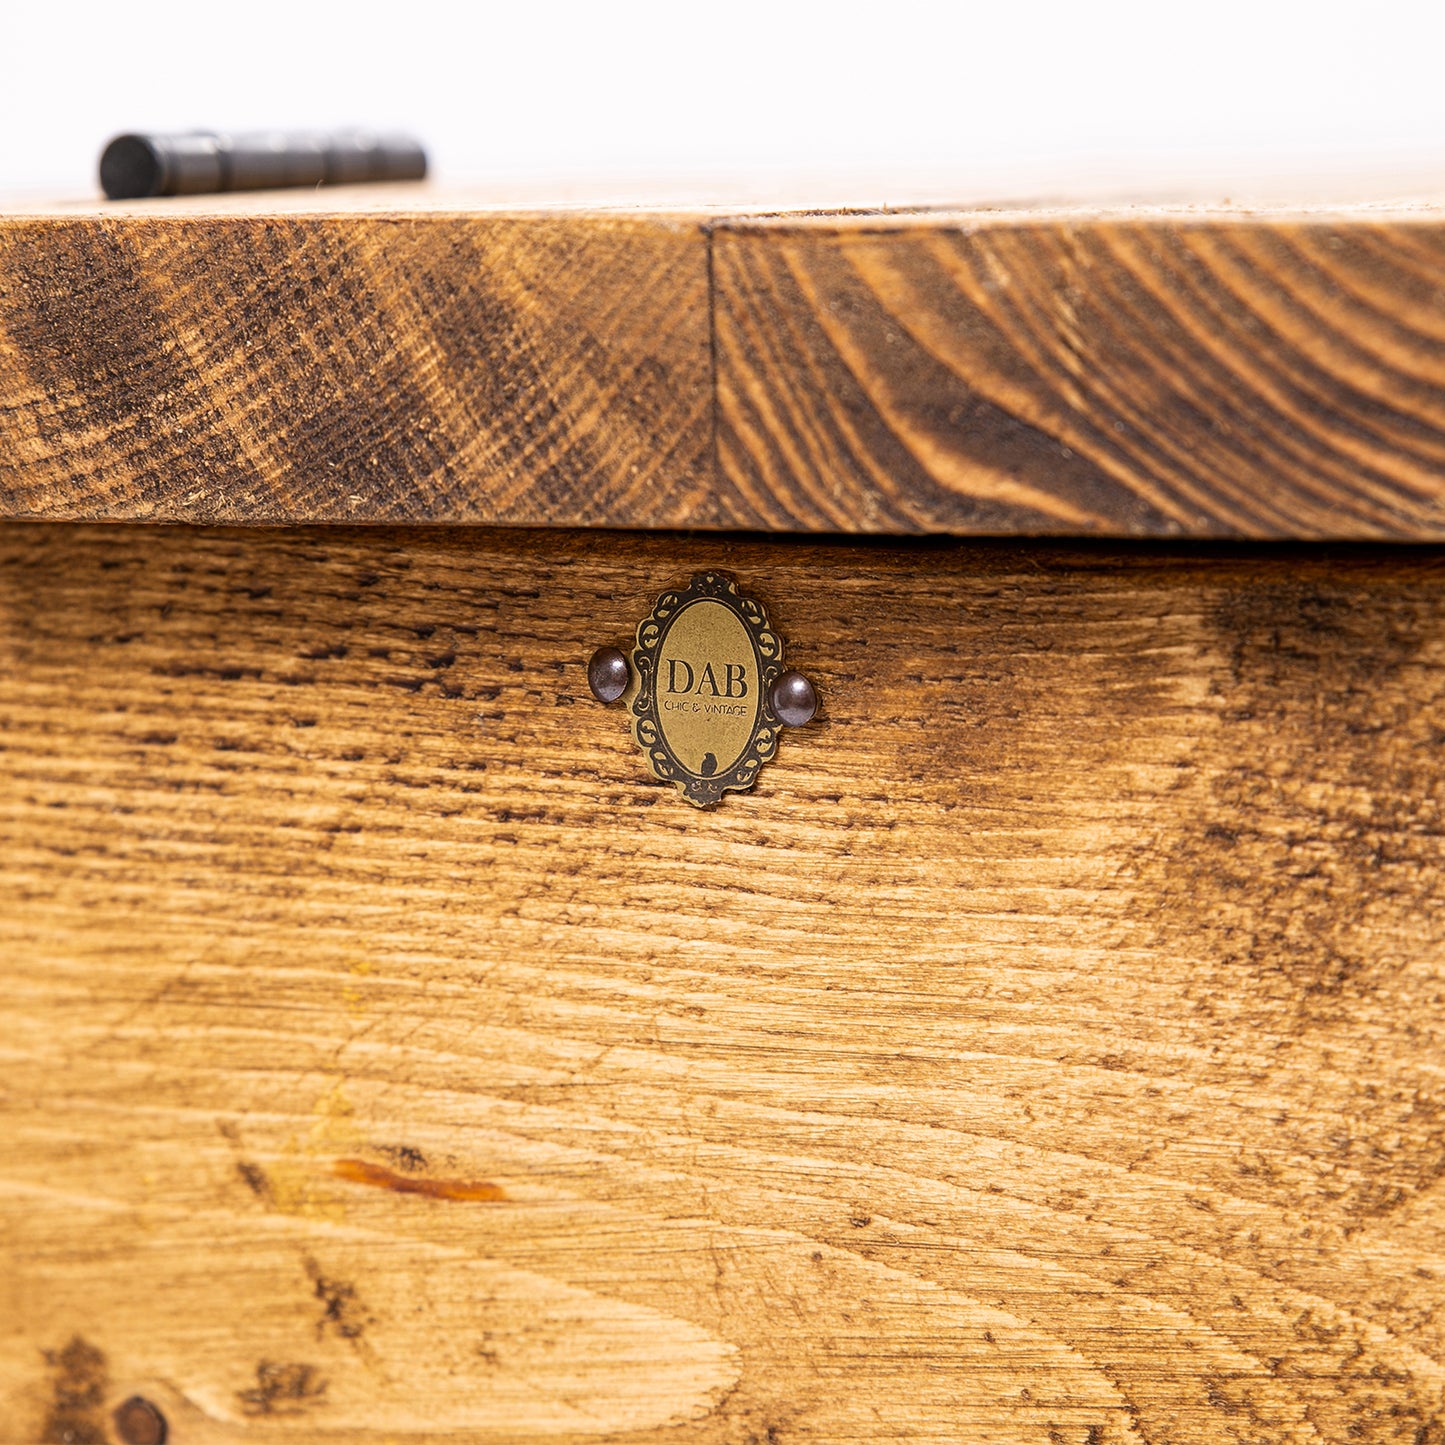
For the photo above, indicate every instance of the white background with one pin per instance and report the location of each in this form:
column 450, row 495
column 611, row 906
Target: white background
column 997, row 94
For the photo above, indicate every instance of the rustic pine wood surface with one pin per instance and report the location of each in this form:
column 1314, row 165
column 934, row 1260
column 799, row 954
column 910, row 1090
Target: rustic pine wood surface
column 356, row 367
column 1251, row 377
column 1049, row 1050
column 393, row 356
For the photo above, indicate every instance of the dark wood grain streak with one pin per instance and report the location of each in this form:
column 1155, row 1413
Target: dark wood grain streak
column 1047, row 1050
column 1186, row 377
column 1138, row 373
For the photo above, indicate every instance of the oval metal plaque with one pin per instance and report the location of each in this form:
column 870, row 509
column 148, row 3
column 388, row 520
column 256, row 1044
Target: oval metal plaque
column 704, row 661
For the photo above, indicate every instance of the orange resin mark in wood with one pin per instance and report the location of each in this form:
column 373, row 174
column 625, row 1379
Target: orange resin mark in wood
column 362, row 1171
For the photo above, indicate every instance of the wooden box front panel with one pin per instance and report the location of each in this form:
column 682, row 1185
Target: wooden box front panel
column 1048, row 1050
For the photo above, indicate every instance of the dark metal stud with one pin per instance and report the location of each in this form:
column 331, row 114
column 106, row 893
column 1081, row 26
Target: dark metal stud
column 608, row 674
column 138, row 1422
column 198, row 162
column 793, row 699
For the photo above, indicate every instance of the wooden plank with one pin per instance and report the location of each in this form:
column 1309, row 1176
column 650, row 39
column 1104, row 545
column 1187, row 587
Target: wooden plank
column 256, row 367
column 1048, row 1050
column 398, row 356
column 1268, row 376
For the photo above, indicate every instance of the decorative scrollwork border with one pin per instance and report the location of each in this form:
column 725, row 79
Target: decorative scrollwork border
column 647, row 729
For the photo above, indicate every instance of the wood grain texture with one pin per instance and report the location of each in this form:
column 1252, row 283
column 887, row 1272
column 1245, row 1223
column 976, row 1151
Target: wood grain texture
column 1048, row 1050
column 356, row 367
column 1135, row 372
column 1193, row 376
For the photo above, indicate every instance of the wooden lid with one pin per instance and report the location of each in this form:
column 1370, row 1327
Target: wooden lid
column 400, row 355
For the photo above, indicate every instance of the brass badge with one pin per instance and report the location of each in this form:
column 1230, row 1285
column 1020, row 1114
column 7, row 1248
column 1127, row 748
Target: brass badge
column 705, row 660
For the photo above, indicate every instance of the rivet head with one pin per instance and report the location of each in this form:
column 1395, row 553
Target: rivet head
column 793, row 699
column 138, row 1422
column 608, row 674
